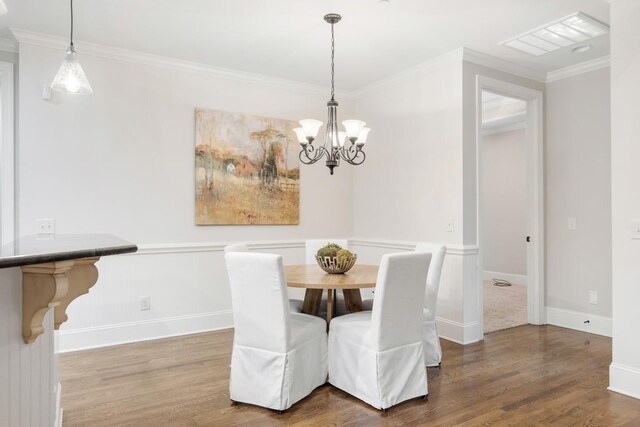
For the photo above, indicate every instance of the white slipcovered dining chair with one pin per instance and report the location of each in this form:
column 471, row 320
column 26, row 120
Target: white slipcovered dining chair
column 377, row 356
column 311, row 248
column 278, row 357
column 430, row 338
column 432, row 348
column 295, row 305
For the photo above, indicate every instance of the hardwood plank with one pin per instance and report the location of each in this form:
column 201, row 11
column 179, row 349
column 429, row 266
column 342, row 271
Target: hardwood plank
column 525, row 376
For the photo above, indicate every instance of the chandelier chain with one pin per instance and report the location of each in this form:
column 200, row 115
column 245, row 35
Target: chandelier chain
column 333, row 51
column 71, row 1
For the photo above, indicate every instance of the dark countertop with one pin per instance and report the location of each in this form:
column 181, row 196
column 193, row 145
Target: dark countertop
column 40, row 249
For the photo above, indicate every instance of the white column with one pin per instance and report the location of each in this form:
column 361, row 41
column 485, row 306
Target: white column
column 625, row 150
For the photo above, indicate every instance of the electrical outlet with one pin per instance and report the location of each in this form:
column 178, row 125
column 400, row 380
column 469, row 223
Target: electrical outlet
column 145, row 303
column 572, row 223
column 449, row 226
column 593, row 297
column 45, row 226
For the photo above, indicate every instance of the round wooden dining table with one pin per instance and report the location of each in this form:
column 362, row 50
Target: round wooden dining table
column 315, row 281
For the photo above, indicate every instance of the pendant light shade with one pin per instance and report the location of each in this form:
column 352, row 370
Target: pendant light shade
column 71, row 77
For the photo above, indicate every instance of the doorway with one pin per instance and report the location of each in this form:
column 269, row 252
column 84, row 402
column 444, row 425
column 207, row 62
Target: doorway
column 504, row 192
column 521, row 113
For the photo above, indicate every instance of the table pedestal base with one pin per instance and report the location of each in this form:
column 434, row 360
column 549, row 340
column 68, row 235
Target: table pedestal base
column 313, row 299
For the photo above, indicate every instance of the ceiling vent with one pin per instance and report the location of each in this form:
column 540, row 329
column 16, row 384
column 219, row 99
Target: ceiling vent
column 570, row 30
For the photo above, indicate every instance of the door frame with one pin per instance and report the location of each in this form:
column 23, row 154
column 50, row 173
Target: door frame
column 536, row 314
column 7, row 154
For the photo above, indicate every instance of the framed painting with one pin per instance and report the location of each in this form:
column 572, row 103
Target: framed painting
column 247, row 169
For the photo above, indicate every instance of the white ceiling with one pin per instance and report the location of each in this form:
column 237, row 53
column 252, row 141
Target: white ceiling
column 288, row 38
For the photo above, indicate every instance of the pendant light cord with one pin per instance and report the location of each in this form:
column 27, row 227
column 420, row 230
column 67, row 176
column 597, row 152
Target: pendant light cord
column 333, row 50
column 71, row 1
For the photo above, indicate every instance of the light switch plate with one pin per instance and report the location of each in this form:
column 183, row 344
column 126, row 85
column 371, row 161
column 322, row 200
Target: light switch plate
column 593, row 297
column 572, row 223
column 635, row 228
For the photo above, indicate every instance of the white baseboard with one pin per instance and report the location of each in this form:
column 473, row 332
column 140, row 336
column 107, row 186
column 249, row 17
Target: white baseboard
column 59, row 410
column 624, row 380
column 123, row 333
column 457, row 332
column 599, row 325
column 516, row 279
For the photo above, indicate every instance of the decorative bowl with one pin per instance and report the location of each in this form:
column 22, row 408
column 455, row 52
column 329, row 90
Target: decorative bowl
column 333, row 265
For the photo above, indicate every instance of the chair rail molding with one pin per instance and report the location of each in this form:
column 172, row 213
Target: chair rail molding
column 452, row 249
column 185, row 247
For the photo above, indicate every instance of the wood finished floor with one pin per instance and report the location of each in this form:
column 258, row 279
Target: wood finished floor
column 525, row 376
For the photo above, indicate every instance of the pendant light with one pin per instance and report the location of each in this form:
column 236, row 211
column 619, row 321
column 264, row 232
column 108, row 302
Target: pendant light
column 70, row 77
column 346, row 145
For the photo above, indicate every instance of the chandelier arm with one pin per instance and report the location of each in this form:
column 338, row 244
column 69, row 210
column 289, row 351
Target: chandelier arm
column 349, row 153
column 311, row 154
column 356, row 160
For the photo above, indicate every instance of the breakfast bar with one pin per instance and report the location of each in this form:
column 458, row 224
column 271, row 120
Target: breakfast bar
column 40, row 276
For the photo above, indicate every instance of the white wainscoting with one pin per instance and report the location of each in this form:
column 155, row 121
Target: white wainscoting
column 189, row 292
column 459, row 314
column 28, row 373
column 188, row 289
column 599, row 325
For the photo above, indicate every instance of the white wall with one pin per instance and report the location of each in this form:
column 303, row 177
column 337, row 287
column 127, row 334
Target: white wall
column 504, row 190
column 578, row 185
column 625, row 149
column 411, row 185
column 121, row 161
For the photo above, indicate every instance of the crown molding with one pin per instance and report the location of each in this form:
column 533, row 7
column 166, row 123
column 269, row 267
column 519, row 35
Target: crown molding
column 137, row 57
column 482, row 59
column 132, row 56
column 574, row 70
column 8, row 45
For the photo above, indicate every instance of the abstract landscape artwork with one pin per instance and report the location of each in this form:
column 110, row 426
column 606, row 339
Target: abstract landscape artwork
column 247, row 169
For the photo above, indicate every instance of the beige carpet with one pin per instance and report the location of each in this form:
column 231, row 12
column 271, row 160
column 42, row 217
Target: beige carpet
column 504, row 307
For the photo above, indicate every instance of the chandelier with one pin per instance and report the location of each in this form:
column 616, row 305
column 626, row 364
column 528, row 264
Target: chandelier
column 334, row 147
